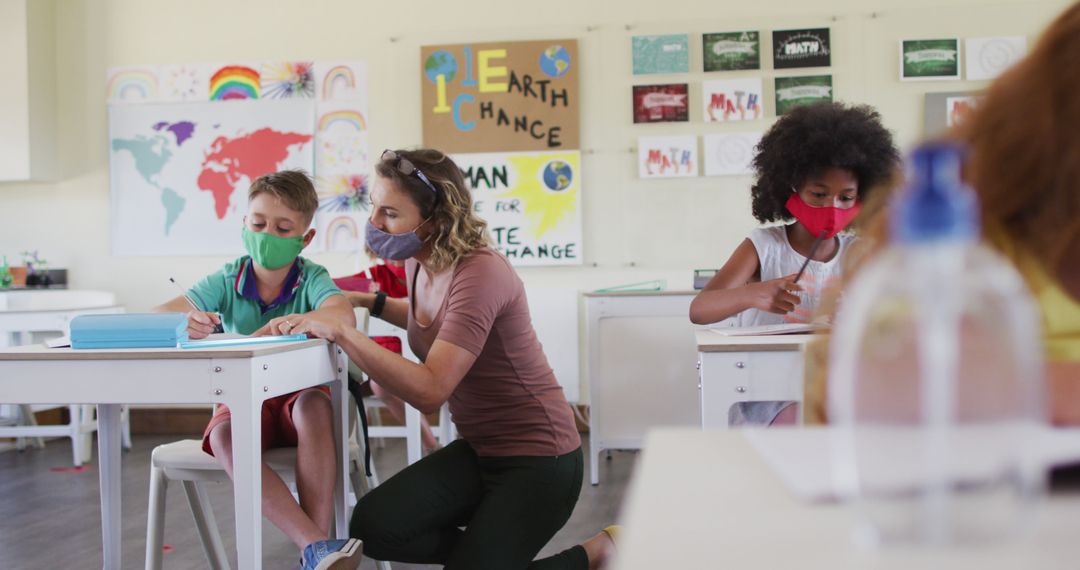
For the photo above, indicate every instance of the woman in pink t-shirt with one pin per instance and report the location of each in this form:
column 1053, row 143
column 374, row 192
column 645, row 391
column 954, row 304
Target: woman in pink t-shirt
column 513, row 479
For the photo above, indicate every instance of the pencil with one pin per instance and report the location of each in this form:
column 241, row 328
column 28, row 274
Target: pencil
column 183, row 293
column 218, row 328
column 813, row 250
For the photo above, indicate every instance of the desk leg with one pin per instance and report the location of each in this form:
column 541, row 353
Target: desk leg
column 594, row 454
column 247, row 480
column 109, row 475
column 412, row 434
column 341, row 441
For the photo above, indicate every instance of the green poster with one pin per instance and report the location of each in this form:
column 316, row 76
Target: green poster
column 731, row 51
column 661, row 54
column 930, row 59
column 794, row 91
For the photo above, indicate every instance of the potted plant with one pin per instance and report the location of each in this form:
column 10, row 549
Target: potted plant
column 37, row 274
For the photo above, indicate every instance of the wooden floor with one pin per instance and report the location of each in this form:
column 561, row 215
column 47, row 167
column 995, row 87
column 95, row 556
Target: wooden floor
column 51, row 519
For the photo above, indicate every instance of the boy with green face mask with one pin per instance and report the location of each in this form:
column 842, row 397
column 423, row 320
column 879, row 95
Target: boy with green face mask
column 269, row 291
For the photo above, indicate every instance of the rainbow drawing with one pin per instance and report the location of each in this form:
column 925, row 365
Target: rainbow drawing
column 349, row 117
column 339, row 76
column 234, row 82
column 341, row 228
column 133, row 84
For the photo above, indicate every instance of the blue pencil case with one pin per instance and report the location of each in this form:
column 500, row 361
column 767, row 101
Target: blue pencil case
column 129, row 330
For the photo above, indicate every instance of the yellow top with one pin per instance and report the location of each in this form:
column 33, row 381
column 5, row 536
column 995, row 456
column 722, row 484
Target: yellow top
column 1059, row 311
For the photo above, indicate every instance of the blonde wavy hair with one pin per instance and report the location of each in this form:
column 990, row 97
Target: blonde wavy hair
column 457, row 229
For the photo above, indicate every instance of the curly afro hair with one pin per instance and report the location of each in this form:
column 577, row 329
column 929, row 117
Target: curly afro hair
column 810, row 139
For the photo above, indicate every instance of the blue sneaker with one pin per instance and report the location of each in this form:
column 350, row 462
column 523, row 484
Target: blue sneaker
column 332, row 555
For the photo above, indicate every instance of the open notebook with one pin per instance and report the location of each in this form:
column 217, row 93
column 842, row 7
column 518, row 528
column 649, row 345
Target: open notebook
column 786, row 328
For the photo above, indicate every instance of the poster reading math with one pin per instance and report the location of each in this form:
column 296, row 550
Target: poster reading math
column 501, row 97
column 531, row 202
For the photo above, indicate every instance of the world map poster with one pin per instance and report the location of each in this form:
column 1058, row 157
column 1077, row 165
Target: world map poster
column 179, row 173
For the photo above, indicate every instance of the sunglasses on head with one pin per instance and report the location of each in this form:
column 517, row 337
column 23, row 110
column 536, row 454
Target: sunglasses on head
column 407, row 168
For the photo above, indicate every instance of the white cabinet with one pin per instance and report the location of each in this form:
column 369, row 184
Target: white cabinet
column 641, row 367
column 747, row 369
column 28, row 90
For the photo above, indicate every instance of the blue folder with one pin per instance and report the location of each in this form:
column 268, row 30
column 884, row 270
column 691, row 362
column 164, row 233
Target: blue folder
column 129, row 330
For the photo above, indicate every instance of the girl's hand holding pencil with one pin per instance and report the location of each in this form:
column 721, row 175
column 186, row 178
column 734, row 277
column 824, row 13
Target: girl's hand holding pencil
column 776, row 296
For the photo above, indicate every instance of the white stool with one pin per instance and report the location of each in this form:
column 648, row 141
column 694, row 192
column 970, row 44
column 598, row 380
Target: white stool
column 185, row 461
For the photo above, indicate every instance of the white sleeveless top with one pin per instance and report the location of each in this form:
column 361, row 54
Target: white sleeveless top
column 778, row 259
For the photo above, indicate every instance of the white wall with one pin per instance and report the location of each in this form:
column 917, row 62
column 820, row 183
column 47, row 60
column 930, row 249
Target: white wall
column 634, row 229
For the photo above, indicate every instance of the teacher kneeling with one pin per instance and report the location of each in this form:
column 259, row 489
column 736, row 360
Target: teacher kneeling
column 513, row 479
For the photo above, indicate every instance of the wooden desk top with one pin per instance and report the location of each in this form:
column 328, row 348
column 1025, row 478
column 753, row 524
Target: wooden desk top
column 711, row 341
column 41, row 352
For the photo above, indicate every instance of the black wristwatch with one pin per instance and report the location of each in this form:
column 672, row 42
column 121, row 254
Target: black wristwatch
column 380, row 302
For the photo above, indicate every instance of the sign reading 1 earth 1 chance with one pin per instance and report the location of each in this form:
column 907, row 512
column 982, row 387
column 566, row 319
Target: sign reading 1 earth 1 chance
column 501, row 97
column 508, row 114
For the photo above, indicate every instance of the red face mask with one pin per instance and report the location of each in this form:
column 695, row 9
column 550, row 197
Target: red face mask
column 829, row 220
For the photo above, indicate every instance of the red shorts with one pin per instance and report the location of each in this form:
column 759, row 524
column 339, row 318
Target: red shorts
column 278, row 429
column 391, row 343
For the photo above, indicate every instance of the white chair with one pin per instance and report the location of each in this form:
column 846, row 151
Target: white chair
column 445, row 432
column 24, row 316
column 82, row 423
column 186, row 462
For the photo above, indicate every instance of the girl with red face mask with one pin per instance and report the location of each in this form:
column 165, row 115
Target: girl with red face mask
column 814, row 168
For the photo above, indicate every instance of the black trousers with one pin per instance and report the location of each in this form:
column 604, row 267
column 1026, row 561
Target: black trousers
column 510, row 507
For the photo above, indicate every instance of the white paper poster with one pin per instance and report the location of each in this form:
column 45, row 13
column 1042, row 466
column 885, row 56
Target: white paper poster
column 179, row 173
column 729, row 100
column 987, row 58
column 184, row 82
column 341, row 80
column 730, row 154
column 132, row 84
column 343, row 171
column 667, row 157
column 531, row 202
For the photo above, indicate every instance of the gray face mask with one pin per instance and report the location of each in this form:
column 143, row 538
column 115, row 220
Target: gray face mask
column 397, row 247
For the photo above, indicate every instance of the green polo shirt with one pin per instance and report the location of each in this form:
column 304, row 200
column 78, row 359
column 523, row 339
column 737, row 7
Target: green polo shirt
column 231, row 292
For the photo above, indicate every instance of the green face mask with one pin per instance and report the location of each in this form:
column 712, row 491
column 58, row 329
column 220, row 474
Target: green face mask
column 271, row 251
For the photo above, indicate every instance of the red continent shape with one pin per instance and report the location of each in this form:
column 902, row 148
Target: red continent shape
column 251, row 155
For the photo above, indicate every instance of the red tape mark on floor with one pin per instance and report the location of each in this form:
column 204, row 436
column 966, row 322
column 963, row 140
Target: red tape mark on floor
column 78, row 469
column 166, row 548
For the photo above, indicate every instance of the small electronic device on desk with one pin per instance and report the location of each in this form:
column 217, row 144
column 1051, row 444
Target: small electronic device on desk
column 702, row 277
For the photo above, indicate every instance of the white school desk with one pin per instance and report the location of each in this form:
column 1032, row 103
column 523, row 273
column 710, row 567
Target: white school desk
column 640, row 367
column 241, row 377
column 706, row 499
column 745, row 369
column 25, row 311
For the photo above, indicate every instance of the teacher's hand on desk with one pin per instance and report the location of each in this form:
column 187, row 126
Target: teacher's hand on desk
column 316, row 327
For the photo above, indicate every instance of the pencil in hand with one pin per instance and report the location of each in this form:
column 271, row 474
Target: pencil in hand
column 218, row 328
column 813, row 250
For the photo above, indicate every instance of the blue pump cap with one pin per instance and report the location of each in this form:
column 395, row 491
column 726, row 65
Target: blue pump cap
column 935, row 205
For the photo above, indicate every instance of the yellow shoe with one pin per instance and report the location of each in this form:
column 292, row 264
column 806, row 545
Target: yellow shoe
column 613, row 532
